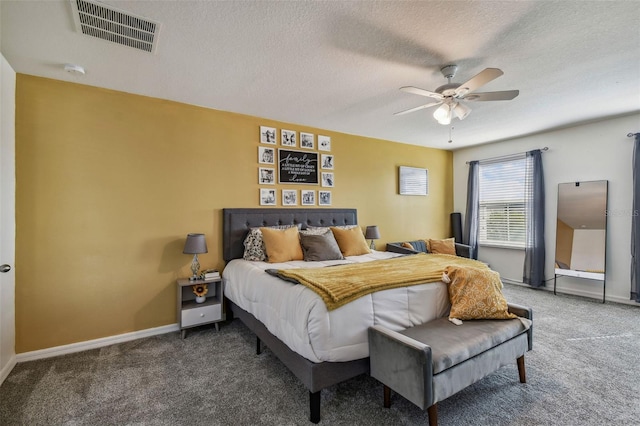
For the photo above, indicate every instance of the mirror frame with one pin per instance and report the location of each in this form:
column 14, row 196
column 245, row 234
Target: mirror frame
column 583, row 273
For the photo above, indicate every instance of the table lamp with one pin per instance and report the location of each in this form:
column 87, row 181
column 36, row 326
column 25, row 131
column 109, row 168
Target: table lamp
column 195, row 245
column 372, row 233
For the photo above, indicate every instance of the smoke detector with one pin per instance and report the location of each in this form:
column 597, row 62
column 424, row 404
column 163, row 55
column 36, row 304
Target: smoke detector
column 74, row 69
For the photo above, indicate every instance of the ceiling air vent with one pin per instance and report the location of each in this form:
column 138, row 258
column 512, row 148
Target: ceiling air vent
column 115, row 25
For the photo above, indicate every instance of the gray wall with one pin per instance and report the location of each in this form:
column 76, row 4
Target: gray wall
column 595, row 151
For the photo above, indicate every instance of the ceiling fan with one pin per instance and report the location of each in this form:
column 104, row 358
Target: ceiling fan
column 448, row 96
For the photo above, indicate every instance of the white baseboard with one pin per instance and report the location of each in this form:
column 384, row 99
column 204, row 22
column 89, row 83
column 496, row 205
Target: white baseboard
column 94, row 344
column 7, row 368
column 574, row 292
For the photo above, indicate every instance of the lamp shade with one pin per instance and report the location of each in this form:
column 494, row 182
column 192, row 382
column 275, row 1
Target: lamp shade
column 372, row 233
column 443, row 114
column 461, row 111
column 195, row 244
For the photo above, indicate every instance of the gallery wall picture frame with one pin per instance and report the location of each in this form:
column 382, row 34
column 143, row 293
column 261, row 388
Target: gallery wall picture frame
column 327, row 179
column 324, row 143
column 324, row 198
column 268, row 135
column 413, row 181
column 308, row 197
column 326, row 161
column 307, row 140
column 288, row 137
column 266, row 155
column 289, row 197
column 266, row 176
column 268, row 197
column 297, row 167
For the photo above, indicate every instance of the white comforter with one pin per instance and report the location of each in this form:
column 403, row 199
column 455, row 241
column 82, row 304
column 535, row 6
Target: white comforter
column 299, row 317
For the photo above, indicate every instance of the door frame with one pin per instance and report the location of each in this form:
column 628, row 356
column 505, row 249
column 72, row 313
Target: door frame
column 7, row 217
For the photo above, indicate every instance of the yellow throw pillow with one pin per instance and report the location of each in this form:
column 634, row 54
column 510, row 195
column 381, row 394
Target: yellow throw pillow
column 447, row 246
column 475, row 293
column 351, row 241
column 408, row 245
column 282, row 245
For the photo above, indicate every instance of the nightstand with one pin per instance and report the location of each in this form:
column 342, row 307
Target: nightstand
column 192, row 314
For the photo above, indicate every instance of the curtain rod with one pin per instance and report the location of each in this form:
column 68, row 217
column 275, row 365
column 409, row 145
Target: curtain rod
column 546, row 148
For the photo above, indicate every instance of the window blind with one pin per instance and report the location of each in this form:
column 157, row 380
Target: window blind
column 502, row 202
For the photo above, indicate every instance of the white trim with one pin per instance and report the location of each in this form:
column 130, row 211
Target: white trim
column 7, row 369
column 574, row 292
column 580, row 274
column 96, row 343
column 501, row 245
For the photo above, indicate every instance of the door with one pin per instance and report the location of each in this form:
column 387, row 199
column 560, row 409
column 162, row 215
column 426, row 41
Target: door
column 7, row 218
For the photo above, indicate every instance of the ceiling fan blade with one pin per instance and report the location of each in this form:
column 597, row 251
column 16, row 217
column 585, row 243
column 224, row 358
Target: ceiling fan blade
column 505, row 95
column 421, row 92
column 478, row 80
column 407, row 111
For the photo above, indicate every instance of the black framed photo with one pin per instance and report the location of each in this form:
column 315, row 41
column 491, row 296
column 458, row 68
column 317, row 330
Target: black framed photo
column 297, row 167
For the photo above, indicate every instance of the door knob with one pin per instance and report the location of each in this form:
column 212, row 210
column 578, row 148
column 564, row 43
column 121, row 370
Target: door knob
column 5, row 268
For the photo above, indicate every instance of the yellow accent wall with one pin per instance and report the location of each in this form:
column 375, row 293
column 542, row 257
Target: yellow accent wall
column 110, row 183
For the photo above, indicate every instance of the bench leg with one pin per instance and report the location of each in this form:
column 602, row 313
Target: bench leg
column 521, row 370
column 433, row 415
column 387, row 396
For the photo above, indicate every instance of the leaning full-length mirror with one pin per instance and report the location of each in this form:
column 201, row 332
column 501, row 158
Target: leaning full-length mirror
column 581, row 233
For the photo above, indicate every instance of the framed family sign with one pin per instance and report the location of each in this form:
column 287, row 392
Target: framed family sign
column 297, row 167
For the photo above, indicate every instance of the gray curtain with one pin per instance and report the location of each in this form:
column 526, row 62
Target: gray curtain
column 534, row 254
column 635, row 226
column 472, row 214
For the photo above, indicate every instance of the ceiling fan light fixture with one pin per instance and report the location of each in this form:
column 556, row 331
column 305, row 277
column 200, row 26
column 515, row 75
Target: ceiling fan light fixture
column 446, row 121
column 443, row 114
column 461, row 111
column 461, row 91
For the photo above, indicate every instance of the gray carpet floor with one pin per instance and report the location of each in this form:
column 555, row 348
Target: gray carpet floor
column 584, row 370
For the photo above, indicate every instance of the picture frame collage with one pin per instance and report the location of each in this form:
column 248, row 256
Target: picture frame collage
column 296, row 161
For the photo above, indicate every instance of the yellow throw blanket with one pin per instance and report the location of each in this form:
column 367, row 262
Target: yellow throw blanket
column 339, row 285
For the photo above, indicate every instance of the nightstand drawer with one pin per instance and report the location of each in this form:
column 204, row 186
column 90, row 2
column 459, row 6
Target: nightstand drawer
column 195, row 316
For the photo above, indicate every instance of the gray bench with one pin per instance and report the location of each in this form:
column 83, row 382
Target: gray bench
column 430, row 362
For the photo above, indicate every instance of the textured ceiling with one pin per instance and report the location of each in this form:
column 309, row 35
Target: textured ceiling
column 338, row 65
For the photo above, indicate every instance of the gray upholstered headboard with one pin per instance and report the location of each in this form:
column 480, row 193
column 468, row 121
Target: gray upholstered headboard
column 236, row 223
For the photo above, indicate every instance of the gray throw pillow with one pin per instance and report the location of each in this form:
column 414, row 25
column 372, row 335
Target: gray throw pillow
column 320, row 247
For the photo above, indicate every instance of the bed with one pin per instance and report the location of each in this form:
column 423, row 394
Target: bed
column 321, row 348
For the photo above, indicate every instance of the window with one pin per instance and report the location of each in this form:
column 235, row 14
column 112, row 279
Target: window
column 502, row 202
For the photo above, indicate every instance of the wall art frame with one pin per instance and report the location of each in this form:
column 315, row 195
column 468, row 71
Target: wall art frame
column 324, row 198
column 297, row 167
column 268, row 135
column 268, row 197
column 308, row 197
